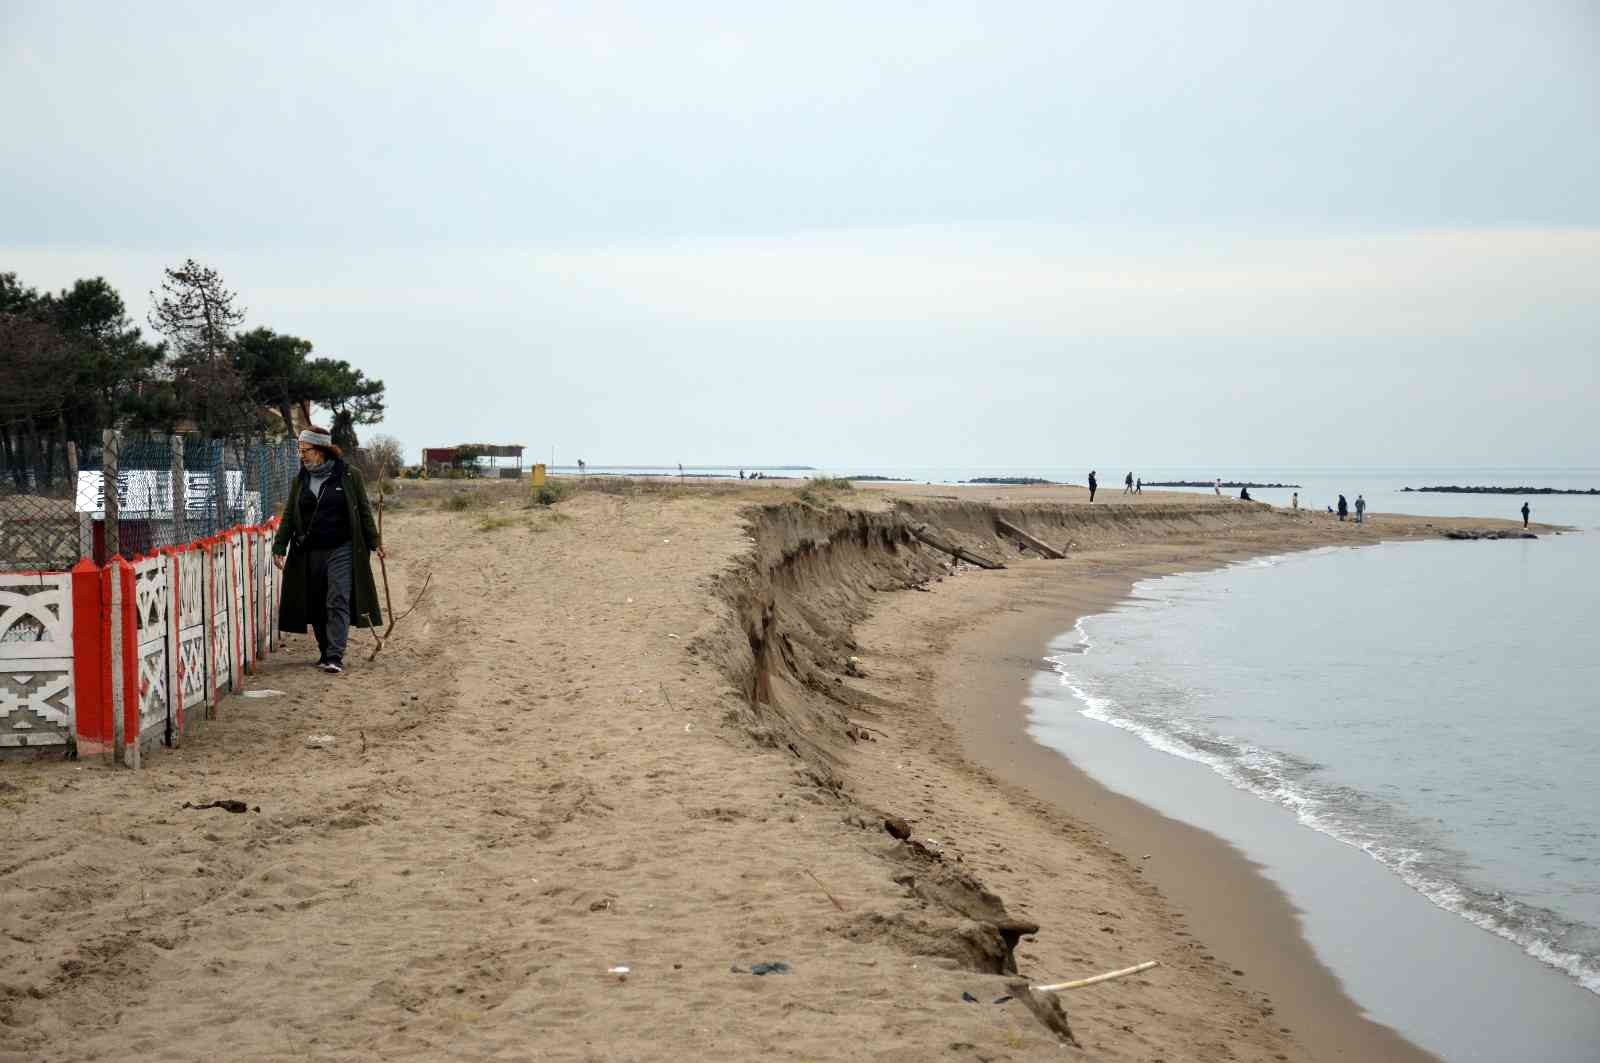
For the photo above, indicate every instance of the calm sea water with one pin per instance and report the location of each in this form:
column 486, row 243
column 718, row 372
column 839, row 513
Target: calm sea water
column 1434, row 706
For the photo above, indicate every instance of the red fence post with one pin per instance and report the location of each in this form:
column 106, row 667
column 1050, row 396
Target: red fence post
column 91, row 700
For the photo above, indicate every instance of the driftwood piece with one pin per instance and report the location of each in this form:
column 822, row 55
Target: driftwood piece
column 388, row 603
column 1038, row 544
column 1046, row 1007
column 1097, row 979
column 929, row 536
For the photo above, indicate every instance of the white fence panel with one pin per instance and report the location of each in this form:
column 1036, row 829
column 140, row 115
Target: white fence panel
column 36, row 706
column 152, row 604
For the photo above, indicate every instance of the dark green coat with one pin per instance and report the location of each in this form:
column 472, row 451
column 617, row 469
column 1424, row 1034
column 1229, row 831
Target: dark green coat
column 364, row 605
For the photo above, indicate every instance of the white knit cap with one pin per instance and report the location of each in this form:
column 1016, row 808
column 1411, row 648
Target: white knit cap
column 319, row 439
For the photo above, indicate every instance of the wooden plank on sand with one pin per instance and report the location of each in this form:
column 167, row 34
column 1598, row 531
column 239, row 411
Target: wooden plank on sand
column 1027, row 540
column 927, row 535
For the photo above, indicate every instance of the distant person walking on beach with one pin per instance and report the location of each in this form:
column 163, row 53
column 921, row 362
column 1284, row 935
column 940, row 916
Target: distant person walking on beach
column 582, row 468
column 1127, row 484
column 1138, row 486
column 1344, row 507
column 1294, row 501
column 1217, row 486
column 1361, row 509
column 1093, row 484
column 1525, row 512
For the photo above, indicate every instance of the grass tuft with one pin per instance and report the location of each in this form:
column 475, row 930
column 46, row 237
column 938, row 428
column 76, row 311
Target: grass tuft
column 494, row 522
column 818, row 488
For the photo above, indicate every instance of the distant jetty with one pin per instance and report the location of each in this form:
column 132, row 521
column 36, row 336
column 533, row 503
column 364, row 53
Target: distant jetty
column 878, row 479
column 1225, row 483
column 1454, row 490
column 1009, row 481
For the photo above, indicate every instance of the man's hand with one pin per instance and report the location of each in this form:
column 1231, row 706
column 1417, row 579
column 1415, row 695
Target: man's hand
column 277, row 559
column 381, row 555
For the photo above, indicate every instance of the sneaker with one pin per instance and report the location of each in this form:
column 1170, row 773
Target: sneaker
column 333, row 666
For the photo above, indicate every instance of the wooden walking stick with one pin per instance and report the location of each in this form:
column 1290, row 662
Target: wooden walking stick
column 388, row 602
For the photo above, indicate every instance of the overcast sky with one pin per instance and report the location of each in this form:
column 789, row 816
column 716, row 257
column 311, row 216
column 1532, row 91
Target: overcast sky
column 860, row 235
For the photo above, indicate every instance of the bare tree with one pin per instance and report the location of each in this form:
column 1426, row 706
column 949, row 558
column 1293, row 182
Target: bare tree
column 387, row 455
column 196, row 313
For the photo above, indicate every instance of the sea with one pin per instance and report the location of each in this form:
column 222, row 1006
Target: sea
column 1430, row 708
column 1405, row 737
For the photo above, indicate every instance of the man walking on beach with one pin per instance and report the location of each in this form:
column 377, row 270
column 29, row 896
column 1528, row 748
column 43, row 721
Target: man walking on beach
column 1138, row 486
column 1294, row 501
column 1217, row 486
column 1127, row 484
column 1525, row 512
column 1093, row 483
column 1361, row 509
column 1344, row 507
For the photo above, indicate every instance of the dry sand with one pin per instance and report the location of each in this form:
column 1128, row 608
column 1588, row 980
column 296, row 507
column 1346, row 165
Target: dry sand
column 622, row 733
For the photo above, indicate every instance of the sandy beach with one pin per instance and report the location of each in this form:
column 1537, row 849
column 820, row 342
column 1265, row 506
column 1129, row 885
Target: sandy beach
column 626, row 732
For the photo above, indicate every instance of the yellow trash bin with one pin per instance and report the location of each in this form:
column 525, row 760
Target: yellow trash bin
column 538, row 475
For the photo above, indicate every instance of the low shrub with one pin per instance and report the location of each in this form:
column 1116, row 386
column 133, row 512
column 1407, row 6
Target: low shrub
column 552, row 491
column 818, row 488
column 831, row 483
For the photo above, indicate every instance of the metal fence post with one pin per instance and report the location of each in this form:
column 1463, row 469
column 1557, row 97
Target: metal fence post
column 111, row 441
column 219, row 485
column 263, row 458
column 180, row 494
column 85, row 520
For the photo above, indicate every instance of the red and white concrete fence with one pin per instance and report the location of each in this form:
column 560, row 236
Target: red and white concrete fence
column 115, row 659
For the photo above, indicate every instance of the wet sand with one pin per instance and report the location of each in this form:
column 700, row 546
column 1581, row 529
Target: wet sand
column 1223, row 897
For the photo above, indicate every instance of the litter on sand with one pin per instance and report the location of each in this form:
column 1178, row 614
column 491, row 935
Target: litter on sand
column 776, row 967
column 263, row 693
column 320, row 741
column 226, row 804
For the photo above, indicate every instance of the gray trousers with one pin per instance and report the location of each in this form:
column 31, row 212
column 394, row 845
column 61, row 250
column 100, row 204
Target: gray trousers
column 328, row 598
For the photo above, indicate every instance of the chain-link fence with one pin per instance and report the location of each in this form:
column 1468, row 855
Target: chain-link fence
column 38, row 520
column 55, row 509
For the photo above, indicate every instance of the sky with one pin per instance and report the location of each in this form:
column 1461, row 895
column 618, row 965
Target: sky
column 860, row 236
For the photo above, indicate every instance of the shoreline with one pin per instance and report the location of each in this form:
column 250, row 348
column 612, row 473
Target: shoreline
column 982, row 659
column 1228, row 901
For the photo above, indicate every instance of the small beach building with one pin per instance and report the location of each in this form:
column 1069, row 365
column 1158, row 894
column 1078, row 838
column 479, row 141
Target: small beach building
column 502, row 460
